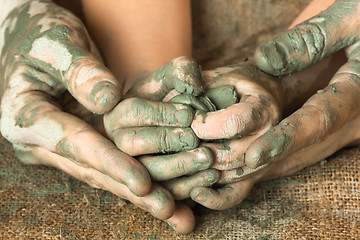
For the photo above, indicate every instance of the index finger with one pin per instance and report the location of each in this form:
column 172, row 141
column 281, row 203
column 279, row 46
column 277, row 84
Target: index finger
column 311, row 41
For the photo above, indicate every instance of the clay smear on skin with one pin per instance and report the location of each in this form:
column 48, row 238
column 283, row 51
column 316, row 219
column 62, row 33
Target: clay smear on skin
column 52, row 52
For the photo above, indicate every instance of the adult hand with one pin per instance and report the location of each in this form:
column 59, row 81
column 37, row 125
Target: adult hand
column 231, row 193
column 332, row 107
column 46, row 52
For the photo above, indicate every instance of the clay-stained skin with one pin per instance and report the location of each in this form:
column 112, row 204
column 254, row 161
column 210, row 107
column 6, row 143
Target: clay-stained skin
column 46, row 51
column 181, row 187
column 258, row 107
column 182, row 74
column 312, row 40
column 330, row 108
column 36, row 43
column 171, row 166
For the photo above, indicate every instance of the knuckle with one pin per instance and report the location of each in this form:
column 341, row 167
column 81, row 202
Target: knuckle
column 164, row 140
column 181, row 166
column 313, row 36
column 126, row 142
column 162, row 114
column 90, row 176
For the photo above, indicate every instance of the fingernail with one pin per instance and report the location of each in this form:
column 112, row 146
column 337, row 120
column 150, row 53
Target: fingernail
column 189, row 140
column 209, row 154
column 198, row 197
column 271, row 57
column 104, row 94
column 239, row 171
column 185, row 116
column 212, row 176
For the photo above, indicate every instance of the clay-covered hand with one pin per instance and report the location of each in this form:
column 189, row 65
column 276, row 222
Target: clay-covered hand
column 241, row 121
column 329, row 109
column 231, row 194
column 45, row 53
column 231, row 122
column 143, row 124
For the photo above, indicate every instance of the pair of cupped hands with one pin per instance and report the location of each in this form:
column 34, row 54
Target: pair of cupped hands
column 181, row 132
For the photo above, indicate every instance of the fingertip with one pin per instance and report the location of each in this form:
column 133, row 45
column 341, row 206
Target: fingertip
column 183, row 220
column 210, row 159
column 138, row 181
column 103, row 97
column 189, row 140
column 198, row 194
column 212, row 176
column 187, row 76
column 270, row 59
column 254, row 157
column 185, row 115
column 162, row 203
column 92, row 84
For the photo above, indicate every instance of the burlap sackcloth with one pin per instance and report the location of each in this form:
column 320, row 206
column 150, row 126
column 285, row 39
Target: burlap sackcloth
column 320, row 202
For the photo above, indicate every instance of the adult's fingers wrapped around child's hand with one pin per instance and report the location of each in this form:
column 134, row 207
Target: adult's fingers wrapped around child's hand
column 258, row 108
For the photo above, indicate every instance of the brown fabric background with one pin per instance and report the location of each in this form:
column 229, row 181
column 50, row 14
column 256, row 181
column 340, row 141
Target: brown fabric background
column 320, row 202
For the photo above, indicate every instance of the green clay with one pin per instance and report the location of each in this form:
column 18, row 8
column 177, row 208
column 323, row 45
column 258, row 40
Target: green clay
column 167, row 114
column 222, row 97
column 100, row 94
column 321, row 91
column 333, row 88
column 207, row 102
column 190, row 100
column 191, row 72
column 284, row 123
column 27, row 116
column 161, row 72
column 239, row 171
column 276, row 144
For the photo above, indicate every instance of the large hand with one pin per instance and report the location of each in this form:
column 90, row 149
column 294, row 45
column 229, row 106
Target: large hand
column 46, row 51
column 331, row 108
column 231, row 194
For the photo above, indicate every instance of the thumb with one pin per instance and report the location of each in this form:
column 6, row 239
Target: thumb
column 312, row 40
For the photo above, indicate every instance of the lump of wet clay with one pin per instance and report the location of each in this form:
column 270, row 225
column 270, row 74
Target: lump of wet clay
column 212, row 100
column 222, row 97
